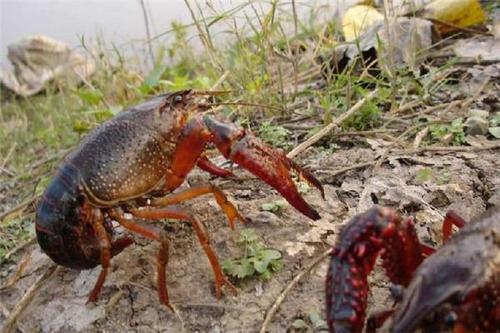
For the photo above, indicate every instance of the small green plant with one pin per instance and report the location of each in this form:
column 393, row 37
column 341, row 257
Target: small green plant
column 326, row 151
column 257, row 260
column 90, row 96
column 430, row 175
column 15, row 231
column 313, row 322
column 495, row 120
column 303, row 186
column 443, row 178
column 278, row 136
column 274, row 207
column 453, row 133
column 332, row 102
column 369, row 116
column 495, row 125
column 423, row 175
column 152, row 80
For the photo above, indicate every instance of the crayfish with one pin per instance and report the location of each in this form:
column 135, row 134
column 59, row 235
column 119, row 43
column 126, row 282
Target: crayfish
column 127, row 169
column 455, row 288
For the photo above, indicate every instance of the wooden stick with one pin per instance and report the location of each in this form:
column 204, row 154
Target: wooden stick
column 7, row 171
column 9, row 154
column 220, row 80
column 328, row 128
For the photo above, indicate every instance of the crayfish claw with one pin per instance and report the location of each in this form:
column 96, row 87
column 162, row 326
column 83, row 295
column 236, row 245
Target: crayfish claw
column 205, row 164
column 270, row 165
column 234, row 215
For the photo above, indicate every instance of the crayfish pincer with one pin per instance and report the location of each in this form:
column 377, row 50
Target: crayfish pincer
column 455, row 288
column 127, row 169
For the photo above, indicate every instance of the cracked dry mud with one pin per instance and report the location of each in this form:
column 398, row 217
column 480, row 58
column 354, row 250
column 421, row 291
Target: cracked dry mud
column 466, row 182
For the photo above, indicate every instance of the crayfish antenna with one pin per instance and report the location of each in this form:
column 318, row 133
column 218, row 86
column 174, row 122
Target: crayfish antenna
column 210, row 92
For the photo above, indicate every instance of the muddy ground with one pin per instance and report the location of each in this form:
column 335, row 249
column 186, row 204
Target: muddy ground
column 468, row 182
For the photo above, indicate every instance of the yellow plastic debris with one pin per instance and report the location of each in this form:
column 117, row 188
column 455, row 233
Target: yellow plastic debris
column 456, row 13
column 359, row 19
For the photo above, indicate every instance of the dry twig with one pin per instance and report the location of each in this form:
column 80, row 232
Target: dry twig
column 337, row 172
column 281, row 297
column 420, row 136
column 148, row 33
column 220, row 80
column 10, row 321
column 19, row 247
column 450, row 149
column 20, row 269
column 3, row 309
column 19, row 207
column 7, row 171
column 9, row 154
column 50, row 158
column 328, row 128
column 6, row 160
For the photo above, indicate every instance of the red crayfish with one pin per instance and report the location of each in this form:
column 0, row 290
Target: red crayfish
column 455, row 288
column 127, row 168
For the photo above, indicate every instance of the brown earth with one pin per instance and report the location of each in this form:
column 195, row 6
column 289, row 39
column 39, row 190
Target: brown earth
column 468, row 182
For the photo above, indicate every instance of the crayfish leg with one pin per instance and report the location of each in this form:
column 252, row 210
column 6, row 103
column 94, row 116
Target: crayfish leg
column 120, row 244
column 202, row 234
column 196, row 191
column 161, row 264
column 105, row 247
column 187, row 154
column 161, row 258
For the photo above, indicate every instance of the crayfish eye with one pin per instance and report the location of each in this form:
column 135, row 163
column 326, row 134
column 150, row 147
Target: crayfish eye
column 450, row 319
column 176, row 100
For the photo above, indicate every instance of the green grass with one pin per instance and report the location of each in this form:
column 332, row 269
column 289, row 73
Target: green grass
column 452, row 133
